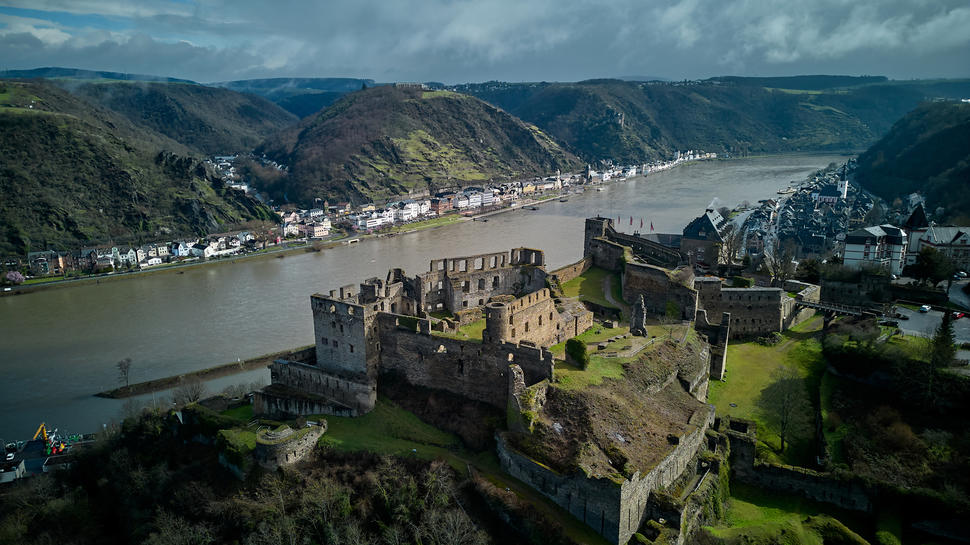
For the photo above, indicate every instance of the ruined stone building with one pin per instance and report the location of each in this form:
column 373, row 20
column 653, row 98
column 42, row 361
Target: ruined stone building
column 676, row 293
column 383, row 327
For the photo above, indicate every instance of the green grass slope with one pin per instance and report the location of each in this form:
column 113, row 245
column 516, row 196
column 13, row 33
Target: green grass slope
column 928, row 150
column 209, row 120
column 72, row 174
column 385, row 142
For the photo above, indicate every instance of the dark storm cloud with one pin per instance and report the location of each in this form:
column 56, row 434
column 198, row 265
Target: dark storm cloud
column 460, row 40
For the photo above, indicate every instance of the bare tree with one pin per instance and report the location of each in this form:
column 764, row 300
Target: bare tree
column 124, row 370
column 190, row 392
column 779, row 262
column 732, row 241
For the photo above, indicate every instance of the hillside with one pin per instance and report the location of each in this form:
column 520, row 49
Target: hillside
column 299, row 96
column 52, row 72
column 928, row 150
column 384, row 142
column 208, row 120
column 72, row 174
column 632, row 121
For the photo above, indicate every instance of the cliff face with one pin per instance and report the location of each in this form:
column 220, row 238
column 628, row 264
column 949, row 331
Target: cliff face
column 384, row 142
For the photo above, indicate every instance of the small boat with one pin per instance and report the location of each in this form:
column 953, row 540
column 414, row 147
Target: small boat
column 600, row 189
column 532, row 208
column 564, row 199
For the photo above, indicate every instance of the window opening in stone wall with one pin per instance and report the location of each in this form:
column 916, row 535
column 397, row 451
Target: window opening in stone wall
column 513, row 332
column 351, row 348
column 510, row 320
column 491, row 262
column 335, row 343
column 324, row 340
column 527, row 327
column 479, row 263
column 495, row 282
column 464, row 286
column 481, row 302
column 464, row 304
column 481, row 283
column 333, row 325
column 463, row 265
column 540, row 319
column 440, row 285
column 341, row 328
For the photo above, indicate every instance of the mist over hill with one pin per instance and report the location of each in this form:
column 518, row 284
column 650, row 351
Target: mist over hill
column 386, row 142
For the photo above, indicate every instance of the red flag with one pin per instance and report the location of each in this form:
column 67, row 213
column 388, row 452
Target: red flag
column 631, row 220
column 651, row 226
column 641, row 223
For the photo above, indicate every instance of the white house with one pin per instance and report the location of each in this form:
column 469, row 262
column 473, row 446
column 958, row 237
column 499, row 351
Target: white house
column 883, row 246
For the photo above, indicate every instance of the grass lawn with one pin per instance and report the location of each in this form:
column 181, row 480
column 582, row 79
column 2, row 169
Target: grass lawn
column 752, row 367
column 589, row 287
column 759, row 516
column 243, row 413
column 389, row 429
column 470, row 332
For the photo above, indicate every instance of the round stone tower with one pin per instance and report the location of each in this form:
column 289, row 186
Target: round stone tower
column 498, row 314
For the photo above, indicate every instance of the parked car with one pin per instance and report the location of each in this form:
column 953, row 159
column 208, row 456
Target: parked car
column 958, row 315
column 962, row 274
column 925, row 308
column 889, row 323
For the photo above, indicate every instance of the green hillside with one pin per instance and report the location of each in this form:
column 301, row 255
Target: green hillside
column 72, row 174
column 632, row 121
column 384, row 142
column 209, row 120
column 928, row 151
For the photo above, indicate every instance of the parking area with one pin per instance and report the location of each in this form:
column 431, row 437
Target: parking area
column 924, row 324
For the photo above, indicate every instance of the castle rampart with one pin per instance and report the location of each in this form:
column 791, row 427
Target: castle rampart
column 662, row 293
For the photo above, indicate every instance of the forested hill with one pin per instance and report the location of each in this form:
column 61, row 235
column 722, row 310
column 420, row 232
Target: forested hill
column 74, row 174
column 631, row 121
column 928, row 151
column 299, row 96
column 209, row 120
column 385, row 142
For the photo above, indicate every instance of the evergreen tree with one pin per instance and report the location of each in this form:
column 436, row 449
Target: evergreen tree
column 943, row 349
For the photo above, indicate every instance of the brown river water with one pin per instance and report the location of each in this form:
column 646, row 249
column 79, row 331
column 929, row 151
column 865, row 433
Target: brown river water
column 58, row 347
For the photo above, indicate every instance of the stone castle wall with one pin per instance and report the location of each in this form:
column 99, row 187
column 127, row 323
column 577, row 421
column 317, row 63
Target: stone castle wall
column 532, row 318
column 465, row 282
column 474, row 370
column 272, row 452
column 717, row 336
column 569, row 272
column 754, row 311
column 824, row 487
column 614, row 510
column 343, row 332
column 658, row 290
column 355, row 394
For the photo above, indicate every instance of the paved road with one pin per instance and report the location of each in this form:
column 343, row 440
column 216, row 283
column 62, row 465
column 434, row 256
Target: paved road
column 925, row 324
column 957, row 295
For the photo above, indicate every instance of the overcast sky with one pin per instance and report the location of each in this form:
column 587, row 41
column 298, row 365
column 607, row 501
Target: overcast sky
column 477, row 40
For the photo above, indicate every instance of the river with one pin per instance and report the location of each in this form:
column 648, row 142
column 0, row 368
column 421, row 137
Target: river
column 60, row 346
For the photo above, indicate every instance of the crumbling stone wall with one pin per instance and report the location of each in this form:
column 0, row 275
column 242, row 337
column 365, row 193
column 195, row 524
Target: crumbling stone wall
column 325, row 391
column 275, row 448
column 613, row 509
column 532, row 318
column 846, row 493
column 475, row 370
column 659, row 290
column 754, row 311
column 646, row 250
column 717, row 336
column 606, row 254
column 567, row 273
column 459, row 283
